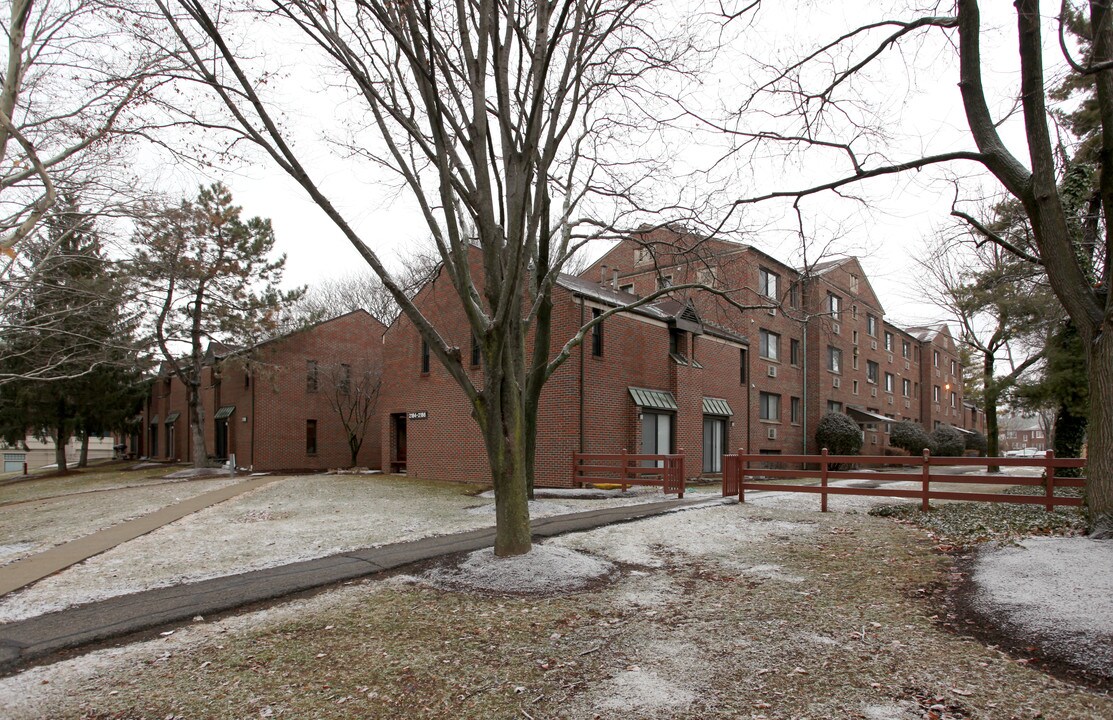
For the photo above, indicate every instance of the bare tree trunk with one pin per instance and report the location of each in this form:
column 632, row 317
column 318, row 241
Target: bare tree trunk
column 500, row 415
column 83, row 456
column 200, row 457
column 992, row 433
column 508, row 470
column 1099, row 469
column 61, row 437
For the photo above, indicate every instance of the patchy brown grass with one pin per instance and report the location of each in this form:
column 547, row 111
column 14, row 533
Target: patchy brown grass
column 107, row 476
column 842, row 622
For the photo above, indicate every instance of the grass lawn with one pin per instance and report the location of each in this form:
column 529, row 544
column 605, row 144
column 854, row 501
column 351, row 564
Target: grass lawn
column 724, row 612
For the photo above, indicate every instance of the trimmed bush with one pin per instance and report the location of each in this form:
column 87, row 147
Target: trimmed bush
column 976, row 443
column 839, row 434
column 948, row 441
column 909, row 436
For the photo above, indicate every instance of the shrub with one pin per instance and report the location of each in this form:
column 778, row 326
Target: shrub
column 947, row 441
column 839, row 434
column 977, row 443
column 909, row 436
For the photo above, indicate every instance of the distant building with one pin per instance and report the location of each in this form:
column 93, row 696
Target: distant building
column 1018, row 432
column 269, row 405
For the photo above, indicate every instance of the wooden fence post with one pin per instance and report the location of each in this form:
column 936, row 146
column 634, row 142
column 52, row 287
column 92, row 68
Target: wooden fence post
column 680, row 469
column 1050, row 489
column 925, row 506
column 823, row 480
column 740, row 476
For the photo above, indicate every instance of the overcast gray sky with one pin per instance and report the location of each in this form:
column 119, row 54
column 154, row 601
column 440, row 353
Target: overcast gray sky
column 913, row 94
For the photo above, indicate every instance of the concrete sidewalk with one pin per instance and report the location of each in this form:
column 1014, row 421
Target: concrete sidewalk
column 35, row 567
column 128, row 614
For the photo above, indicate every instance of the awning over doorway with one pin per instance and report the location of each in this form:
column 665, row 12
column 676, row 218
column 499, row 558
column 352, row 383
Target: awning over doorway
column 716, row 406
column 154, row 420
column 867, row 416
column 172, row 417
column 653, row 399
column 224, row 412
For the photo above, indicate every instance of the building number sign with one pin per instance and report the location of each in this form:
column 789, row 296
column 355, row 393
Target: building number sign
column 422, row 415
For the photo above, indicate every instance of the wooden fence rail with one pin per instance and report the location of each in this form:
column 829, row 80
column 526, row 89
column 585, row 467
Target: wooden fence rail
column 626, row 469
column 737, row 468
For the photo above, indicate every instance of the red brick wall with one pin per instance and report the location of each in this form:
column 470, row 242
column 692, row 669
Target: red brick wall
column 267, row 430
column 447, row 443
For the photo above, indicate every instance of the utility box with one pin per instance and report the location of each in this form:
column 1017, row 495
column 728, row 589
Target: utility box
column 15, row 462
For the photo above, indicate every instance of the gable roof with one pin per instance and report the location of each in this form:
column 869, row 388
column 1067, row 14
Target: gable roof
column 665, row 309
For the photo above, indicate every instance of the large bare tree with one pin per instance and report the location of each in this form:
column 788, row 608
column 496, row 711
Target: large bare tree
column 1003, row 308
column 503, row 121
column 814, row 98
column 67, row 103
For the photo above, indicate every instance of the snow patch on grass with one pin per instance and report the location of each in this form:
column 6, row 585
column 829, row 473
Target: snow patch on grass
column 544, row 569
column 1055, row 590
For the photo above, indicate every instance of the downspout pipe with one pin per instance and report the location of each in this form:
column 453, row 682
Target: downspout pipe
column 581, row 393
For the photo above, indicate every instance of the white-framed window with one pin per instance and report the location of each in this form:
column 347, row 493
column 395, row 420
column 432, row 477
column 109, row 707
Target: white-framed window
column 871, row 326
column 889, row 341
column 767, row 283
column 872, row 371
column 834, row 305
column 890, row 382
column 769, row 345
column 906, row 388
column 834, row 359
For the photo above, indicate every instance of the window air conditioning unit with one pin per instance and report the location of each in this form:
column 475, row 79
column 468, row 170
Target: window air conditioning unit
column 873, row 392
column 907, row 366
column 773, row 312
column 890, row 401
column 772, row 371
column 837, row 382
column 908, row 403
column 890, row 356
column 873, row 344
column 855, row 351
column 835, row 328
column 772, row 433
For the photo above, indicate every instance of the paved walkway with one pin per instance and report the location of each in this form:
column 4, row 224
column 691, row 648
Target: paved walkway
column 35, row 567
column 143, row 611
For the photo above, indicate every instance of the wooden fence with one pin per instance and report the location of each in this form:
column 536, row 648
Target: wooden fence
column 737, row 469
column 626, row 469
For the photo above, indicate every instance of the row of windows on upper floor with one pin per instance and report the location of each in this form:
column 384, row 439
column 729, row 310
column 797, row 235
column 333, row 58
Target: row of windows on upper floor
column 769, row 346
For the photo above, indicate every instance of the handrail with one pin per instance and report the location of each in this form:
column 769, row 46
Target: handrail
column 626, row 469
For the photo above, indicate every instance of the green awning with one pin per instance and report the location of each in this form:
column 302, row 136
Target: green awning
column 171, row 417
column 154, row 420
column 653, row 399
column 716, row 406
column 224, row 412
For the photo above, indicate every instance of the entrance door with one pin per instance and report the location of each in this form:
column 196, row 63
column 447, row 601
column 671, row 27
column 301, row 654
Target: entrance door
column 656, row 436
column 222, row 439
column 714, row 440
column 171, row 448
column 398, row 464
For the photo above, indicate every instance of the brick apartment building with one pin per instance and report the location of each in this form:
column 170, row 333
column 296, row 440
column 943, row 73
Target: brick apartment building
column 820, row 339
column 753, row 367
column 269, row 405
column 655, row 379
